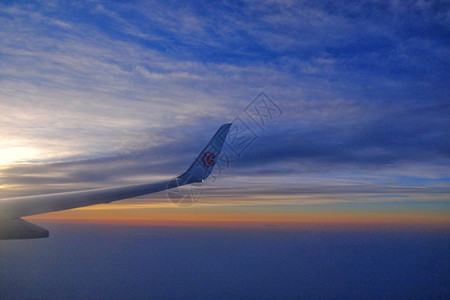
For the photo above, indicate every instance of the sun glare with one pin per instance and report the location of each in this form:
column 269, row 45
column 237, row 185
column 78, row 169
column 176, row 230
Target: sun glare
column 17, row 154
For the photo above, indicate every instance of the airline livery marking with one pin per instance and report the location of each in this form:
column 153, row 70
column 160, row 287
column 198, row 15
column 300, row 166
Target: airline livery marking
column 208, row 159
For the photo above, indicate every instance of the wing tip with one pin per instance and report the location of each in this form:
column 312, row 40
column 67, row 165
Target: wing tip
column 203, row 165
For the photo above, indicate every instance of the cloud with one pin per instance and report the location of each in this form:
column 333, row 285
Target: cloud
column 108, row 92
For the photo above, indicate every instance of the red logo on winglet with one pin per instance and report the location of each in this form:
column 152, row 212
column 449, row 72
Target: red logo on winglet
column 208, row 159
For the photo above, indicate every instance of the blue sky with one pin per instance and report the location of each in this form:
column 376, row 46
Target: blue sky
column 97, row 93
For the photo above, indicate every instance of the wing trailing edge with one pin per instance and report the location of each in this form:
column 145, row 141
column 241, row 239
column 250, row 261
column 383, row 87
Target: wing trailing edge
column 20, row 229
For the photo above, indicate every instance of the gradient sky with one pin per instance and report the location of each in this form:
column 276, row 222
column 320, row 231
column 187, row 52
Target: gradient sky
column 338, row 189
column 103, row 93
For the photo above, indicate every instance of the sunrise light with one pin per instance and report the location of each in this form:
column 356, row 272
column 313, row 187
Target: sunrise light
column 17, row 154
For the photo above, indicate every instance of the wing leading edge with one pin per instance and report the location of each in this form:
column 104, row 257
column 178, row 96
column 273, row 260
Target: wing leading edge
column 12, row 209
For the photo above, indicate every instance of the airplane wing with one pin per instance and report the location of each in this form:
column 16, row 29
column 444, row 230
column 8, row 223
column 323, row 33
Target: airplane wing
column 12, row 209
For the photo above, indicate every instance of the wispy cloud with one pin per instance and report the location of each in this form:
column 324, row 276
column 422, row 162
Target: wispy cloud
column 109, row 92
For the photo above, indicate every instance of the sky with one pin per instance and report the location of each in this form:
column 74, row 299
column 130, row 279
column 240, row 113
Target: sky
column 334, row 181
column 342, row 103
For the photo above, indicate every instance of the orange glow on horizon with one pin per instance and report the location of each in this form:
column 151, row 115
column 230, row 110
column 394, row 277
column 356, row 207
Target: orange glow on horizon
column 205, row 215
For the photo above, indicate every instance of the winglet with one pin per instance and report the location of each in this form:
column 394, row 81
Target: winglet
column 205, row 161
